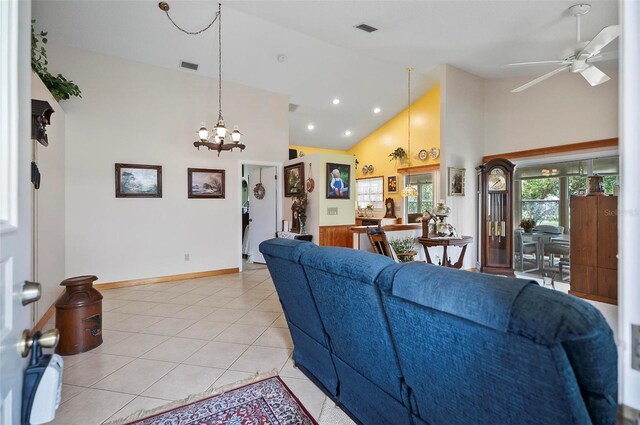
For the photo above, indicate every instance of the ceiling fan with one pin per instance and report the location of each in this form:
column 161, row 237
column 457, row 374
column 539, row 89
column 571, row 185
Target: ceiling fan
column 581, row 57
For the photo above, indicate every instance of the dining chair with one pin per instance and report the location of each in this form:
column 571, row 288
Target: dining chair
column 380, row 243
column 522, row 248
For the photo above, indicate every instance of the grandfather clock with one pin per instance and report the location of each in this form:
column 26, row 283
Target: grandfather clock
column 495, row 217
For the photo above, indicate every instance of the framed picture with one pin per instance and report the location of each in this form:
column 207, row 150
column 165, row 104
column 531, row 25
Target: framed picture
column 204, row 183
column 138, row 181
column 338, row 178
column 392, row 184
column 456, row 181
column 293, row 179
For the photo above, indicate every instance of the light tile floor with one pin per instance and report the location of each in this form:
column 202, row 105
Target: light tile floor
column 166, row 341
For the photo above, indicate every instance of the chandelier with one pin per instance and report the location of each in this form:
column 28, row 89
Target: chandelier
column 216, row 138
column 408, row 189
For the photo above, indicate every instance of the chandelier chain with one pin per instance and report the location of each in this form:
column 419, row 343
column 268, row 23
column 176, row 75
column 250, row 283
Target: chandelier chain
column 192, row 32
column 219, row 61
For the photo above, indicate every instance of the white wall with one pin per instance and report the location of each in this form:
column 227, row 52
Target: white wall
column 629, row 202
column 135, row 113
column 461, row 146
column 50, row 203
column 561, row 110
column 318, row 203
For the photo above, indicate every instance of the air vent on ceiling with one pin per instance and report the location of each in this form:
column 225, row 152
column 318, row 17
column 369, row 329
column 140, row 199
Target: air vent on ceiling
column 293, row 107
column 366, row 28
column 189, row 65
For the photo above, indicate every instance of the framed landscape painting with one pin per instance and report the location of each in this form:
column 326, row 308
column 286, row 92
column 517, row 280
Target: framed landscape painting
column 204, row 183
column 138, row 181
column 293, row 179
column 338, row 178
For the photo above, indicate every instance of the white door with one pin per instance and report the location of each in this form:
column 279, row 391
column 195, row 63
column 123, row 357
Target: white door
column 262, row 212
column 15, row 239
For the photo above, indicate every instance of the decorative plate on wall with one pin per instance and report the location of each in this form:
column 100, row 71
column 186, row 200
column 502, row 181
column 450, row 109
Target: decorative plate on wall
column 422, row 155
column 370, row 169
column 434, row 153
column 365, row 170
column 259, row 190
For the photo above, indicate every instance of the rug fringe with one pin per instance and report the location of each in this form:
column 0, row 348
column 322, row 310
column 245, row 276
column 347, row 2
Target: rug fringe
column 193, row 398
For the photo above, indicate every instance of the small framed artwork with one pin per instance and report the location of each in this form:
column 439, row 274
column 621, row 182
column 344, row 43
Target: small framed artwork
column 392, row 184
column 338, row 178
column 293, row 179
column 138, row 181
column 456, row 181
column 205, row 183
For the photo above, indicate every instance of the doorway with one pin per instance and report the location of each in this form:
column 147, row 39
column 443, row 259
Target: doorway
column 259, row 209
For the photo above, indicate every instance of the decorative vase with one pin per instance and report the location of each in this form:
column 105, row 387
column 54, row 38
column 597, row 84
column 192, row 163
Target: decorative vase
column 303, row 223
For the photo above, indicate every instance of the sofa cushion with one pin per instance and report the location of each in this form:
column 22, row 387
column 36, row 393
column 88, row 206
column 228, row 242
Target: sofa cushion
column 456, row 292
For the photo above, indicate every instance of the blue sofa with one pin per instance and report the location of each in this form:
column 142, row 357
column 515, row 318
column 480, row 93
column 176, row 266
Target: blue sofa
column 420, row 344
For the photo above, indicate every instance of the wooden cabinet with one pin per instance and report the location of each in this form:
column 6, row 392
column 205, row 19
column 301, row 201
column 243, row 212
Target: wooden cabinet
column 594, row 248
column 339, row 235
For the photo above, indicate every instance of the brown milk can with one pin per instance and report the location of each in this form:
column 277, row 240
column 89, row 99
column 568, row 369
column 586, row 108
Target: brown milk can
column 79, row 316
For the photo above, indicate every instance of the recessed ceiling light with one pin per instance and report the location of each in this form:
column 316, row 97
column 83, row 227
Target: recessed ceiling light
column 335, row 101
column 347, row 133
column 376, row 110
column 311, row 127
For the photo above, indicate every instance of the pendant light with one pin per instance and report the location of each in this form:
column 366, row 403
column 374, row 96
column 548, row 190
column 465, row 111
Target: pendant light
column 213, row 139
column 409, row 191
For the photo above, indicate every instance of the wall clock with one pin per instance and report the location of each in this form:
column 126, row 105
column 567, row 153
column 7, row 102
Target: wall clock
column 422, row 155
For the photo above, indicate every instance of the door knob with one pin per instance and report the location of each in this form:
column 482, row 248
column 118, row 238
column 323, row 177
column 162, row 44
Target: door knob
column 31, row 292
column 48, row 339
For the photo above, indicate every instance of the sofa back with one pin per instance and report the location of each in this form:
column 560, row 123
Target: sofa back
column 478, row 348
column 282, row 257
column 342, row 282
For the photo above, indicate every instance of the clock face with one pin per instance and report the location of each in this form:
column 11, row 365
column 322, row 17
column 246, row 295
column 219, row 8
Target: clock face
column 497, row 180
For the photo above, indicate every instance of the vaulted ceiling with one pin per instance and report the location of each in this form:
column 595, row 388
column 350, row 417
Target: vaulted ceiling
column 325, row 56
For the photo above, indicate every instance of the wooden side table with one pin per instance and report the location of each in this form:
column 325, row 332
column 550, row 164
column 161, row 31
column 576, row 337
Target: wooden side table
column 462, row 241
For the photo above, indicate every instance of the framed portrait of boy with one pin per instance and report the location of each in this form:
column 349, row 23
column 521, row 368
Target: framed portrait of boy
column 338, row 178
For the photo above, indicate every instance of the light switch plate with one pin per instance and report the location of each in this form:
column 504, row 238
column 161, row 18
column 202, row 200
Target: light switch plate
column 635, row 347
column 332, row 211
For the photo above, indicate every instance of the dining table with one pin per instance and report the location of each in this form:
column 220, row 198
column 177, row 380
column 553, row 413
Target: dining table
column 542, row 238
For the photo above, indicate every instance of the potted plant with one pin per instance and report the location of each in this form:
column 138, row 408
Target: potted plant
column 405, row 248
column 398, row 154
column 368, row 210
column 60, row 87
column 528, row 224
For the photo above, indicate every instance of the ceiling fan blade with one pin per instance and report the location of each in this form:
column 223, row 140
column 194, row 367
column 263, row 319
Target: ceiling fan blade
column 594, row 76
column 604, row 37
column 536, row 63
column 539, row 79
column 606, row 56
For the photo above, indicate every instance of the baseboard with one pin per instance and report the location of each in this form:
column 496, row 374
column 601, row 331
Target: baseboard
column 162, row 279
column 628, row 415
column 45, row 318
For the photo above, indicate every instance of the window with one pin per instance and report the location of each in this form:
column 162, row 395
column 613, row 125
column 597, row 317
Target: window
column 577, row 183
column 541, row 200
column 424, row 201
column 371, row 191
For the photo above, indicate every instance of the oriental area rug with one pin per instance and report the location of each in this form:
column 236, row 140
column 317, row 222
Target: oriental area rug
column 265, row 402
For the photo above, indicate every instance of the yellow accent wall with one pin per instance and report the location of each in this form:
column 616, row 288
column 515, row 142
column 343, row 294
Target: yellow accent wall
column 310, row 150
column 425, row 134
